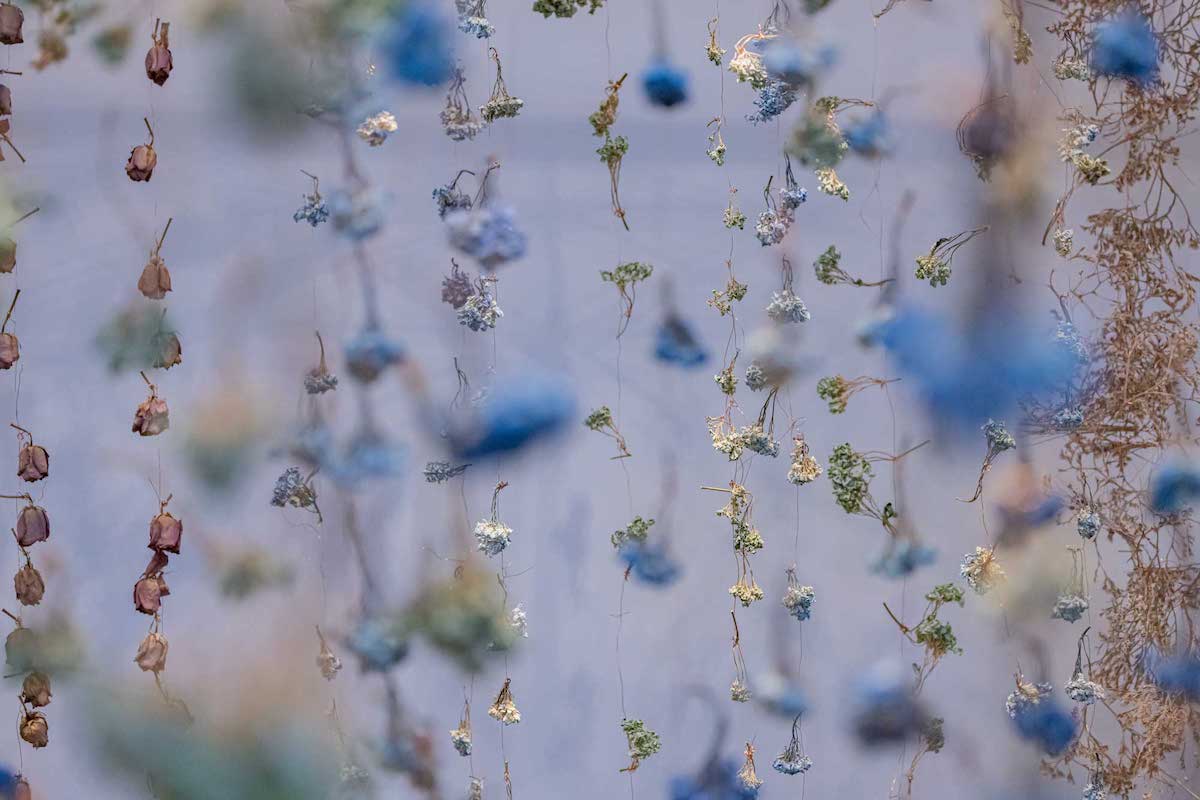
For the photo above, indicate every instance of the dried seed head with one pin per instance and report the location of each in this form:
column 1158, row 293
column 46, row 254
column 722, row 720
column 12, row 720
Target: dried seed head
column 35, row 730
column 11, row 20
column 10, row 350
column 158, row 59
column 33, row 526
column 29, row 585
column 148, row 593
column 169, row 351
column 141, row 164
column 152, row 653
column 5, row 100
column 151, row 418
column 33, row 463
column 166, row 533
column 156, row 278
column 36, row 690
column 8, row 255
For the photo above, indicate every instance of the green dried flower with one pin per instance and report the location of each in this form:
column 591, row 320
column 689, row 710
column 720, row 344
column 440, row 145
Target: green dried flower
column 849, row 474
column 643, row 742
column 835, row 391
column 626, row 275
column 637, row 531
column 599, row 419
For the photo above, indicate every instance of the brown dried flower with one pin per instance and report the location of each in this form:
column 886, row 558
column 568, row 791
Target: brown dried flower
column 166, row 532
column 33, row 526
column 33, row 462
column 142, row 159
column 5, row 100
column 20, row 647
column 156, row 279
column 151, row 417
column 10, row 350
column 152, row 653
column 11, row 20
column 158, row 59
column 147, row 594
column 36, row 690
column 29, row 585
column 35, row 729
column 327, row 660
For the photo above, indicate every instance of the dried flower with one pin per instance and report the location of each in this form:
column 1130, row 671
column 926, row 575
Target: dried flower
column 35, row 690
column 829, row 183
column 739, row 692
column 1081, row 690
column 371, row 352
column 676, row 343
column 981, row 570
column 504, row 708
column 713, row 50
column 35, row 729
column 33, row 526
column 849, row 475
column 636, row 531
column 492, row 536
column 419, row 46
column 666, row 85
column 441, row 471
column 33, row 462
column 798, row 600
column 480, row 311
column 151, row 417
column 1064, row 239
column 11, row 20
column 489, row 235
column 804, row 467
column 1125, row 46
column 152, row 653
column 747, row 591
column 327, row 661
column 501, row 104
column 142, row 159
column 374, row 129
column 746, row 774
column 1069, row 607
column 643, row 742
column 1087, row 524
column 166, row 533
column 28, row 585
column 158, row 59
column 786, row 307
column 565, row 8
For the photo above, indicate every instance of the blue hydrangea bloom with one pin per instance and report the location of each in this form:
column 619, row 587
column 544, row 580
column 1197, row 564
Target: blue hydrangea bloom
column 774, row 99
column 666, row 85
column 489, row 235
column 903, row 559
column 884, row 707
column 419, row 43
column 650, row 562
column 1178, row 675
column 377, row 644
column 516, row 413
column 1174, row 487
column 976, row 374
column 718, row 780
column 676, row 343
column 1125, row 47
column 869, row 136
column 1048, row 724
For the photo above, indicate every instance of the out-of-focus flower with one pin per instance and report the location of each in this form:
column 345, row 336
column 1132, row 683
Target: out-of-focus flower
column 798, row 601
column 1178, row 674
column 796, row 64
column 785, row 307
column 1069, row 607
column 780, row 694
column 515, row 413
column 489, row 235
column 419, row 44
column 1046, row 723
column 492, row 536
column 650, row 561
column 666, row 85
column 870, row 135
column 463, row 618
column 981, row 570
column 717, row 780
column 379, row 642
column 1126, row 46
column 370, row 352
column 1081, row 690
column 902, row 558
column 504, row 708
column 1174, row 487
column 374, row 129
column 676, row 343
column 357, row 214
column 885, row 708
column 441, row 471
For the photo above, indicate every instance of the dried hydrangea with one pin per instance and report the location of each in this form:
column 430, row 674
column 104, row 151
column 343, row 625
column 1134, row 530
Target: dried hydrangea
column 374, row 129
column 314, row 211
column 849, row 474
column 902, row 558
column 1026, row 696
column 1094, row 789
column 829, row 183
column 480, row 312
column 804, row 467
column 1069, row 607
column 1074, row 140
column 1081, row 690
column 745, row 592
column 636, row 531
column 472, row 18
column 504, row 708
column 642, row 741
column 726, row 380
column 320, row 382
column 756, row 377
column 1087, row 524
column 981, row 570
column 1064, row 240
column 734, row 218
column 998, row 437
column 501, row 108
column 771, row 228
column 1067, row 68
column 785, row 307
column 798, row 601
column 460, row 737
column 1067, row 419
column 291, row 489
column 358, row 214
column 489, row 235
column 518, row 620
column 441, row 471
column 449, row 198
column 773, row 99
column 758, row 440
column 933, row 269
column 492, row 536
column 791, row 761
column 739, row 692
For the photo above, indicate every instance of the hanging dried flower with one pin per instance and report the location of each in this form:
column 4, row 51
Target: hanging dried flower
column 374, row 129
column 5, row 99
column 457, row 119
column 151, row 417
column 33, row 525
column 166, row 532
column 33, row 462
column 746, row 774
column 327, row 661
column 10, row 346
column 35, row 690
column 460, row 737
column 142, row 159
column 152, row 653
column 155, row 281
column 11, row 20
column 168, row 351
column 28, row 585
column 158, row 58
column 35, row 730
column 22, row 791
column 319, row 379
column 501, row 104
column 148, row 593
column 504, row 708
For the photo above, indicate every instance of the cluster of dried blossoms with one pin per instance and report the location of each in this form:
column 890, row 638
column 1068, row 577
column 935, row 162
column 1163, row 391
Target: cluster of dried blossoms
column 1142, row 379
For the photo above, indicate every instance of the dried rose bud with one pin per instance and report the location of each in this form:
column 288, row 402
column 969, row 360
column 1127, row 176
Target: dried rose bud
column 166, row 533
column 141, row 164
column 5, row 100
column 147, row 595
column 11, row 20
column 156, row 279
column 151, row 418
column 29, row 585
column 36, row 690
column 22, row 791
column 35, row 730
column 8, row 255
column 20, row 649
column 152, row 653
column 170, row 351
column 33, row 463
column 10, row 350
column 33, row 526
column 158, row 59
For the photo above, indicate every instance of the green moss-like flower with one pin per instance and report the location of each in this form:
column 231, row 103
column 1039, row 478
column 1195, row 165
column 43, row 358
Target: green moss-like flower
column 636, row 531
column 828, row 266
column 613, row 150
column 835, row 391
column 626, row 275
column 643, row 742
column 850, row 474
column 746, row 539
column 565, row 8
column 734, row 218
column 599, row 419
column 933, row 269
column 726, row 380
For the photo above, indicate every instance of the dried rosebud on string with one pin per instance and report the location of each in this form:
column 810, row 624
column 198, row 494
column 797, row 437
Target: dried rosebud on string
column 35, row 729
column 152, row 653
column 166, row 532
column 142, row 159
column 10, row 346
column 35, row 690
column 151, row 417
column 158, row 58
column 148, row 593
column 33, row 462
column 33, row 525
column 156, row 278
column 28, row 584
column 11, row 20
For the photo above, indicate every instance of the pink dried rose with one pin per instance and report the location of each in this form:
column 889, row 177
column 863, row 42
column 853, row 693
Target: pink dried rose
column 28, row 585
column 11, row 20
column 10, row 350
column 151, row 417
column 142, row 159
column 166, row 533
column 156, row 279
column 158, row 59
column 33, row 526
column 22, row 791
column 5, row 100
column 147, row 594
column 33, row 463
column 152, row 653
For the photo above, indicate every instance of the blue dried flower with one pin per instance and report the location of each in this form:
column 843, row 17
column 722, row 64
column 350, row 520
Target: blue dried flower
column 785, row 60
column 489, row 235
column 718, row 780
column 1126, row 47
column 676, row 343
column 1067, row 419
column 1088, row 523
column 903, row 558
column 314, row 211
column 793, row 196
column 419, row 45
column 1069, row 607
column 1048, row 724
column 514, row 414
column 449, row 198
column 885, row 709
column 666, row 85
column 357, row 215
column 869, row 136
column 1178, row 674
column 371, row 352
column 774, row 99
column 378, row 644
column 1174, row 487
column 650, row 562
